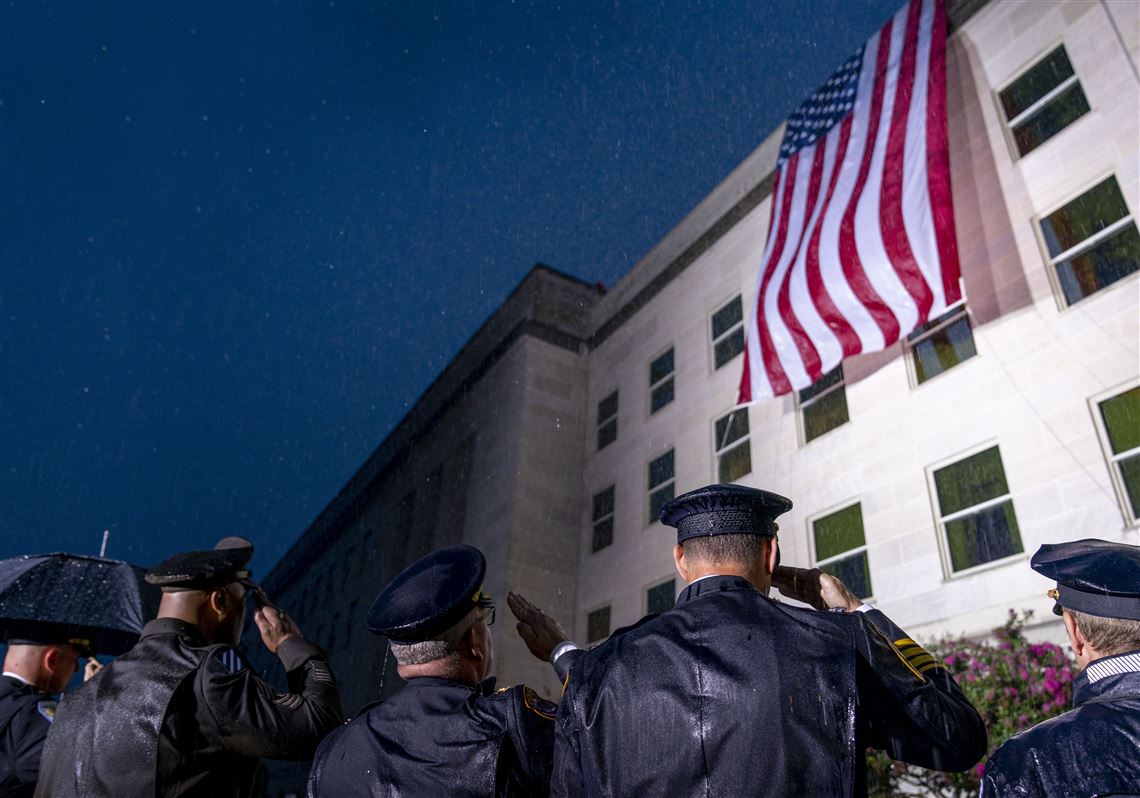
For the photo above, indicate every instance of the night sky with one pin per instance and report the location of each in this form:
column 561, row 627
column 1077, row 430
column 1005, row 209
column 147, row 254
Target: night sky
column 238, row 241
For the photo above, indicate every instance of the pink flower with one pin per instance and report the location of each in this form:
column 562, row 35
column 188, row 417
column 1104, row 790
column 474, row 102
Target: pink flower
column 1024, row 675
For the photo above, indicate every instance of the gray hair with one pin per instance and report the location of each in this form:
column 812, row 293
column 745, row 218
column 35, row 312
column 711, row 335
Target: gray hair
column 741, row 550
column 1108, row 635
column 446, row 646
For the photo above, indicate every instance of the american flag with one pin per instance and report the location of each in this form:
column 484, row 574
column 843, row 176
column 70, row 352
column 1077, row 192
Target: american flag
column 861, row 247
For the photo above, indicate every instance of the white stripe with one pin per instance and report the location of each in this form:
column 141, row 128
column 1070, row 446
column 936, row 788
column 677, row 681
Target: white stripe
column 785, row 347
column 760, row 387
column 868, row 228
column 826, row 344
column 830, row 266
column 917, row 217
column 1113, row 666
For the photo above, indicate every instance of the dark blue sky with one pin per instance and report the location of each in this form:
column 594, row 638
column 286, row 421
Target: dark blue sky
column 238, row 240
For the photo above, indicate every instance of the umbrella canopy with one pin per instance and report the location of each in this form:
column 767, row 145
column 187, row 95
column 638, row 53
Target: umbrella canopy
column 69, row 596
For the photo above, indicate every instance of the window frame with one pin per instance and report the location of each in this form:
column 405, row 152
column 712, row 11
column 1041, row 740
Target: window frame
column 714, row 340
column 601, row 422
column 656, row 584
column 650, row 490
column 606, row 517
column 800, row 422
column 816, row 562
column 745, row 440
column 1040, row 102
column 1131, row 518
column 959, row 310
column 670, row 377
column 1051, row 262
column 948, row 572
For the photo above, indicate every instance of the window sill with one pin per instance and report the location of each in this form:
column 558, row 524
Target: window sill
column 986, row 566
column 1084, row 301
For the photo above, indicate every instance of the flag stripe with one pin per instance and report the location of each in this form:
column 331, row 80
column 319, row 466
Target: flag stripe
column 938, row 160
column 775, row 373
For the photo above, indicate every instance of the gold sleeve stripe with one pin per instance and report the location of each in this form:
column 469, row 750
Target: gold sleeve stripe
column 898, row 653
column 931, row 666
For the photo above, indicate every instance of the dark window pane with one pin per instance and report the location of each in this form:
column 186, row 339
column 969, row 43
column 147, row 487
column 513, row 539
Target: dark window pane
column 598, row 625
column 608, row 407
column 833, row 377
column 1121, row 416
column 839, row 532
column 1130, row 474
column 1043, row 77
column 1089, row 213
column 661, row 367
column 943, row 349
column 603, row 534
column 607, row 434
column 974, row 480
column 657, row 500
column 981, row 537
column 737, row 430
column 1049, row 120
column 734, row 463
column 661, row 469
column 661, row 396
column 852, row 571
column 661, row 598
column 724, row 319
column 604, row 503
column 1112, row 259
column 729, row 348
column 825, row 414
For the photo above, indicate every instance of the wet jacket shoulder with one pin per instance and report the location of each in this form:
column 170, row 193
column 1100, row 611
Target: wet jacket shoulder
column 479, row 742
column 25, row 717
column 1091, row 750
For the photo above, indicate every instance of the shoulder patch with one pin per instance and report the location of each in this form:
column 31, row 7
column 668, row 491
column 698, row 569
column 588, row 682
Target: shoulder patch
column 288, row 700
column 230, row 660
column 47, row 709
column 539, row 705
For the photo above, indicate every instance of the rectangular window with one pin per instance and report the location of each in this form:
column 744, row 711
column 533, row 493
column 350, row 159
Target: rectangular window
column 841, row 548
column 1043, row 102
column 1121, row 417
column 728, row 332
column 660, row 598
column 824, row 404
column 607, row 420
column 603, row 519
column 976, row 510
column 941, row 344
column 733, row 446
column 598, row 625
column 1092, row 241
column 660, row 484
column 661, row 381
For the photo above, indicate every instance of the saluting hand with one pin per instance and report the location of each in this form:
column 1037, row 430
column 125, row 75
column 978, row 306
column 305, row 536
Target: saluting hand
column 813, row 586
column 539, row 631
column 275, row 626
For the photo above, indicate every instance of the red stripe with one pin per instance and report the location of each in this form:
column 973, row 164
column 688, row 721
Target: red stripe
column 744, row 392
column 808, row 353
column 848, row 254
column 776, row 376
column 830, row 314
column 892, row 225
column 938, row 158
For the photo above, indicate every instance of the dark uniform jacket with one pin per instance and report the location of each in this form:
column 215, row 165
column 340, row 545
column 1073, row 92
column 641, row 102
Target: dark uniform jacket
column 732, row 694
column 25, row 717
column 1091, row 750
column 178, row 717
column 438, row 737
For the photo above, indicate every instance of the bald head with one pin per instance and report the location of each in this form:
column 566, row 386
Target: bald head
column 219, row 613
column 47, row 667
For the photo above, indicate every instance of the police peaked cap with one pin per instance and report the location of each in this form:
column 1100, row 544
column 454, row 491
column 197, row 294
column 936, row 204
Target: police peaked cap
column 430, row 596
column 1093, row 576
column 204, row 570
column 724, row 510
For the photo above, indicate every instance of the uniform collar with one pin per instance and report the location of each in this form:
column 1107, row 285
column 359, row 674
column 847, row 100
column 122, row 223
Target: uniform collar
column 17, row 677
column 1108, row 676
column 173, row 626
column 714, row 584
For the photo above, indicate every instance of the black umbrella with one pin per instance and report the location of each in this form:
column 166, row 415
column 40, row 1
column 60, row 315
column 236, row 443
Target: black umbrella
column 68, row 596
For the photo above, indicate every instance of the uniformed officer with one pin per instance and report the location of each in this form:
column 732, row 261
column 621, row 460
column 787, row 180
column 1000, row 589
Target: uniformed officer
column 181, row 714
column 732, row 694
column 1094, row 748
column 35, row 672
column 447, row 731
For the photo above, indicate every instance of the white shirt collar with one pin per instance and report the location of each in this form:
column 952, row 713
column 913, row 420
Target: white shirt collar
column 17, row 677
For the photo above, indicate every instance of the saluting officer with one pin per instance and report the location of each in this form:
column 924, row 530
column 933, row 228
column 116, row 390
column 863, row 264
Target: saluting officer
column 181, row 714
column 447, row 731
column 732, row 694
column 1094, row 748
column 35, row 671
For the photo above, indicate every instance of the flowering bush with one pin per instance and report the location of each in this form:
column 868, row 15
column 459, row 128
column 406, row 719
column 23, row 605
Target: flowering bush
column 1014, row 684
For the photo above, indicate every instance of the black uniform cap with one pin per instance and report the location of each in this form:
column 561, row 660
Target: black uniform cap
column 430, row 596
column 724, row 510
column 1093, row 576
column 51, row 635
column 204, row 570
